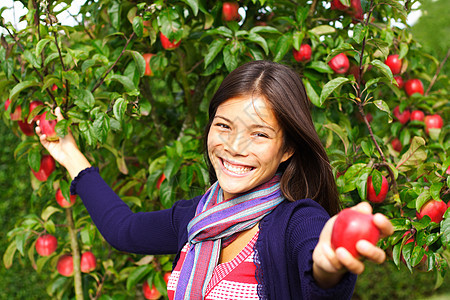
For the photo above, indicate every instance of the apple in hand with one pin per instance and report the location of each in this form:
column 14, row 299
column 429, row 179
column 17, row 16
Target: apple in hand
column 46, row 244
column 413, row 86
column 417, row 115
column 303, row 54
column 62, row 201
column 399, row 81
column 47, row 167
column 168, row 44
column 65, row 265
column 148, row 70
column 16, row 114
column 350, row 227
column 339, row 63
column 88, row 262
column 434, row 209
column 48, row 127
column 230, row 11
column 372, row 196
column 150, row 293
column 433, row 121
column 394, row 63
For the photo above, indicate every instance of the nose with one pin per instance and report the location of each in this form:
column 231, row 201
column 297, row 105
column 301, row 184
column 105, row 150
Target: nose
column 237, row 144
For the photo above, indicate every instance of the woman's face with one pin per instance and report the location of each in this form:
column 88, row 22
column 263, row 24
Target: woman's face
column 245, row 144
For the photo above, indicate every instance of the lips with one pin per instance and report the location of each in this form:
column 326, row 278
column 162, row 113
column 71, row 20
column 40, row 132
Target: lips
column 236, row 169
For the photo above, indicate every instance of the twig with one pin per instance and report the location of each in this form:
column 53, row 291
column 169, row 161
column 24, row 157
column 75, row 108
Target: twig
column 99, row 83
column 433, row 81
column 312, row 8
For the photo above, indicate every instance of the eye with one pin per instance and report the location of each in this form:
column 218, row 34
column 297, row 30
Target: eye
column 261, row 134
column 222, row 125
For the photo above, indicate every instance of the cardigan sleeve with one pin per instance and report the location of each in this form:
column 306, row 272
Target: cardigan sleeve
column 142, row 232
column 303, row 238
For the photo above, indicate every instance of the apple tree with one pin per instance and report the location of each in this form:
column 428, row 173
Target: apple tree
column 133, row 80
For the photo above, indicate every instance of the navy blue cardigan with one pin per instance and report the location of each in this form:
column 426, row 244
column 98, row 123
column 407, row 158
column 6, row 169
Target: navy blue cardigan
column 284, row 247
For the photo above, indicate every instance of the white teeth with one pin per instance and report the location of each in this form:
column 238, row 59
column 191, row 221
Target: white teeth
column 236, row 169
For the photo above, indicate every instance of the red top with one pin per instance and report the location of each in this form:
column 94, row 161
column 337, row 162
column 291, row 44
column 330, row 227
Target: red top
column 230, row 280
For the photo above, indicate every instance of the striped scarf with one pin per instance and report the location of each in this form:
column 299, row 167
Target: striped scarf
column 215, row 225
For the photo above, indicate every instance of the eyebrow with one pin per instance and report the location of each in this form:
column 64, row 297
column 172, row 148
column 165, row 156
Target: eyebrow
column 251, row 126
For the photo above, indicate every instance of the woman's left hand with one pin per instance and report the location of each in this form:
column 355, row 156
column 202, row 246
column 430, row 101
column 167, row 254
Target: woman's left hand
column 329, row 264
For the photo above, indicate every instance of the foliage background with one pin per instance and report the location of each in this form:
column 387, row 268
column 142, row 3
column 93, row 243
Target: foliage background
column 381, row 282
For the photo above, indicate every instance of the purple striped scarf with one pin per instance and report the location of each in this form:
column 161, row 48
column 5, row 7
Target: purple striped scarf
column 215, row 225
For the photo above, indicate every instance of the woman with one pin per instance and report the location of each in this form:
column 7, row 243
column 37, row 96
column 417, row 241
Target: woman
column 263, row 229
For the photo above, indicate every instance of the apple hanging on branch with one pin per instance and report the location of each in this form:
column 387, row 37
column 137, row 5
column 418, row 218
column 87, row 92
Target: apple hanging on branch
column 350, row 227
column 46, row 244
column 339, row 64
column 148, row 69
column 413, row 86
column 168, row 44
column 303, row 54
column 62, row 201
column 230, row 11
column 417, row 115
column 403, row 116
column 394, row 63
column 88, row 262
column 433, row 122
column 150, row 293
column 65, row 265
column 46, row 168
column 379, row 197
column 435, row 209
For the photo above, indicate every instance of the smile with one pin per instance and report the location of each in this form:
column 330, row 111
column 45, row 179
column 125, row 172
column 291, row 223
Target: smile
column 236, row 169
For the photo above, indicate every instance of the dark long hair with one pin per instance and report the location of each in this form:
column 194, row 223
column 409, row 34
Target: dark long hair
column 307, row 173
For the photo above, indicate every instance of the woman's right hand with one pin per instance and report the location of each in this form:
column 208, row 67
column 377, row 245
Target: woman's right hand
column 65, row 150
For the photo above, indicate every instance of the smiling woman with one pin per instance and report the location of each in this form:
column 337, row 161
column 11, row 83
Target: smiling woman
column 271, row 197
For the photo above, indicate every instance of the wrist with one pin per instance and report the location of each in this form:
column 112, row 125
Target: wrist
column 77, row 163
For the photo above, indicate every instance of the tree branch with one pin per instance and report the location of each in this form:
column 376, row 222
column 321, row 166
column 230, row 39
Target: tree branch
column 113, row 65
column 433, row 81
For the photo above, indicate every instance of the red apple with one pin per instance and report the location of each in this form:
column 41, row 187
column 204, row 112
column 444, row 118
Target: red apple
column 48, row 127
column 167, row 277
column 350, row 227
column 230, row 11
column 46, row 244
column 54, row 87
column 148, row 70
column 47, row 167
column 337, row 5
column 402, row 117
column 33, row 105
column 448, row 173
column 339, row 63
column 16, row 114
column 356, row 10
column 88, row 262
column 303, row 54
column 150, row 293
column 399, row 81
column 62, row 201
column 394, row 63
column 413, row 86
column 434, row 209
column 396, row 145
column 65, row 265
column 417, row 115
column 410, row 240
column 167, row 44
column 372, row 196
column 27, row 129
column 433, row 121
column 160, row 180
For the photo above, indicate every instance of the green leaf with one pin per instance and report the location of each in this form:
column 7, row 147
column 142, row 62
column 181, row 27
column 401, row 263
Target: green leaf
column 359, row 33
column 34, row 158
column 435, row 190
column 330, row 86
column 367, row 148
column 139, row 60
column 320, row 66
column 83, row 99
column 265, row 29
column 137, row 275
column 323, row 29
column 222, row 30
column 48, row 211
column 312, row 95
column 377, row 180
column 297, row 39
column 20, row 87
column 8, row 256
column 229, row 58
column 445, row 232
column 422, row 199
column 284, row 43
column 403, row 50
column 414, row 157
column 62, row 127
column 101, row 127
column 340, row 133
column 138, row 26
column 383, row 106
column 256, row 38
column 119, row 108
column 214, row 49
column 361, row 182
column 399, row 8
column 383, row 68
column 396, row 254
column 41, row 45
column 193, row 4
column 124, row 80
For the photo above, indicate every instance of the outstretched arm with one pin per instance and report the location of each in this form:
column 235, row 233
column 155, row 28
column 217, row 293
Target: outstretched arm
column 330, row 265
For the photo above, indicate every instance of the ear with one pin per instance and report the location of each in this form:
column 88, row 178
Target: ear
column 287, row 154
